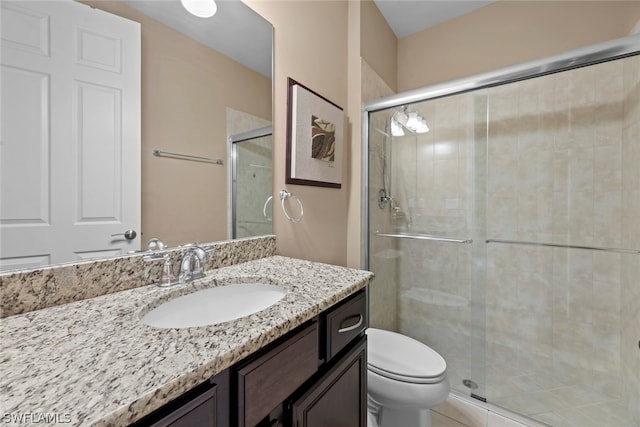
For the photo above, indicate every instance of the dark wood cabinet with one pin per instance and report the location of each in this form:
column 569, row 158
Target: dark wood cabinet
column 339, row 397
column 345, row 322
column 335, row 391
column 198, row 407
column 201, row 412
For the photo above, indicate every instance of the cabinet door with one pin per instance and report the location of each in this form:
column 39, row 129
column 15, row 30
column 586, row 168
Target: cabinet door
column 200, row 412
column 339, row 398
column 266, row 382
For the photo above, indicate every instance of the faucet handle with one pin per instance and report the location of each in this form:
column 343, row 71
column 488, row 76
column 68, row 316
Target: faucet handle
column 201, row 257
column 156, row 244
column 167, row 279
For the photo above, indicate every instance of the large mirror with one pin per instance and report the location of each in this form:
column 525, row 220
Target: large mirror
column 202, row 81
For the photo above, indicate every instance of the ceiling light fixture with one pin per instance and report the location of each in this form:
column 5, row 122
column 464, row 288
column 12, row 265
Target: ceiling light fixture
column 396, row 129
column 200, row 8
column 422, row 126
column 411, row 121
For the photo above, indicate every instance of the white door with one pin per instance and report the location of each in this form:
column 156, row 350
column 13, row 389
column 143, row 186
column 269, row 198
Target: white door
column 70, row 133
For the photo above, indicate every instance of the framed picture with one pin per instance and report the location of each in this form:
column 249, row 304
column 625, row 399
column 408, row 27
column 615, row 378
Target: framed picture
column 315, row 138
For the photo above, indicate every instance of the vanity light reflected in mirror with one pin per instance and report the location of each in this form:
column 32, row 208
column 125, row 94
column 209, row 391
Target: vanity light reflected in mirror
column 200, row 8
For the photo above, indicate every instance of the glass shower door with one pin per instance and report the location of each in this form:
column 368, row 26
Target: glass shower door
column 562, row 210
column 252, row 173
column 424, row 242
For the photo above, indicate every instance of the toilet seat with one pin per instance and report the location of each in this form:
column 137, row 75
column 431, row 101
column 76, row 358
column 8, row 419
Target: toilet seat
column 401, row 358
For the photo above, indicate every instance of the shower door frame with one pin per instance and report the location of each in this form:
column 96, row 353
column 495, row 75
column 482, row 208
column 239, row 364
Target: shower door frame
column 590, row 55
column 233, row 141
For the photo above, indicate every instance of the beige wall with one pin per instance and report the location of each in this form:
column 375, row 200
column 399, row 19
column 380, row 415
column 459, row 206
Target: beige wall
column 379, row 45
column 355, row 73
column 507, row 33
column 186, row 88
column 310, row 47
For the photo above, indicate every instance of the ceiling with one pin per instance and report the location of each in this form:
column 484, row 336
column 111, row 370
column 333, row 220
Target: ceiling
column 235, row 30
column 406, row 17
column 240, row 33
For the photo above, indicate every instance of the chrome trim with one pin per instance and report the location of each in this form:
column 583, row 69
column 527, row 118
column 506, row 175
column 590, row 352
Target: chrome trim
column 364, row 193
column 159, row 153
column 251, row 134
column 558, row 245
column 424, row 237
column 234, row 188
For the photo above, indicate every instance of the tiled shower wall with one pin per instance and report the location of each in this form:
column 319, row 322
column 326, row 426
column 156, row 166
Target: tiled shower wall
column 561, row 166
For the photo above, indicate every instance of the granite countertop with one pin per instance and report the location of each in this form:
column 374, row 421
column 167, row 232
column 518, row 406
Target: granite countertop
column 93, row 362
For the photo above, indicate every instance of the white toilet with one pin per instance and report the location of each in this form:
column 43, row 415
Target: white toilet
column 406, row 379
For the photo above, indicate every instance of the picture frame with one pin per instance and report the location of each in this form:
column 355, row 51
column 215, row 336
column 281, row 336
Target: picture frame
column 315, row 138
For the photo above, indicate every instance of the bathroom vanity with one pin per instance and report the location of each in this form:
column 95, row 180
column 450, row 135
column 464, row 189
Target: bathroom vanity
column 295, row 363
column 313, row 376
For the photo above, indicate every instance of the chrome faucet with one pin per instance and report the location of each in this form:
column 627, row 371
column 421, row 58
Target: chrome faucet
column 192, row 264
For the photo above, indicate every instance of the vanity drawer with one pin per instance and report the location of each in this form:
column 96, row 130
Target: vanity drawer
column 266, row 382
column 345, row 322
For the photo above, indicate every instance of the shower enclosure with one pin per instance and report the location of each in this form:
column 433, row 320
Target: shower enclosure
column 507, row 237
column 251, row 177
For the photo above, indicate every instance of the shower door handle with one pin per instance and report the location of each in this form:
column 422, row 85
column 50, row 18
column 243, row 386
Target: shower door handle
column 352, row 327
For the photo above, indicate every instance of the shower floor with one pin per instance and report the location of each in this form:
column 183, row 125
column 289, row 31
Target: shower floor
column 547, row 399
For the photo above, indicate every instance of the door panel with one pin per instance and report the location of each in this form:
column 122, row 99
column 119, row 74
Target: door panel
column 98, row 136
column 70, row 149
column 27, row 162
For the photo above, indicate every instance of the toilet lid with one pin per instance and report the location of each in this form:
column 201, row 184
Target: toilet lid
column 402, row 358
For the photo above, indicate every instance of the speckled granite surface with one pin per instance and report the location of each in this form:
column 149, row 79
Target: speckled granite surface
column 29, row 290
column 93, row 362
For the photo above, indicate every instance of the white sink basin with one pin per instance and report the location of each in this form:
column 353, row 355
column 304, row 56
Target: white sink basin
column 214, row 305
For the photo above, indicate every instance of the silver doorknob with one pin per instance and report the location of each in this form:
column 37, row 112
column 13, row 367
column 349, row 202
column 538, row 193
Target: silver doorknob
column 129, row 234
